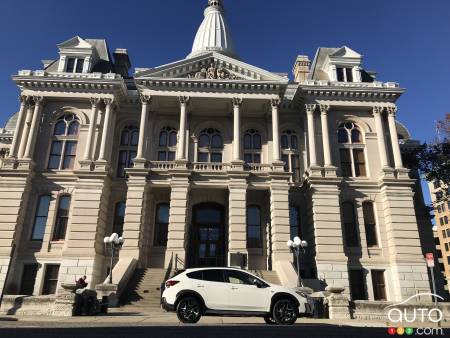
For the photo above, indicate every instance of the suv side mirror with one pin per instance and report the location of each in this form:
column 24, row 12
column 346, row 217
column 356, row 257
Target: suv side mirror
column 259, row 284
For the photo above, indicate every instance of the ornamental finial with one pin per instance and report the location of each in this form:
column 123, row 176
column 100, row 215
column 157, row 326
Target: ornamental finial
column 215, row 3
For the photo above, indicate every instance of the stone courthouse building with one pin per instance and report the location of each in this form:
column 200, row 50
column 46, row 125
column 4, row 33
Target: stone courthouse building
column 207, row 161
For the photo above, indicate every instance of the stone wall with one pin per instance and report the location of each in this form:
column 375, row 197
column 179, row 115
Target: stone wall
column 28, row 305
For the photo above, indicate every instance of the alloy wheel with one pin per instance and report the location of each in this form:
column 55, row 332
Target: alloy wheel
column 284, row 312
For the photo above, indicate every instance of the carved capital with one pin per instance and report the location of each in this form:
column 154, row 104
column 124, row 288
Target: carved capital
column 95, row 101
column 275, row 103
column 109, row 102
column 392, row 110
column 145, row 99
column 310, row 108
column 184, row 99
column 237, row 102
column 38, row 100
column 23, row 99
column 324, row 109
column 377, row 110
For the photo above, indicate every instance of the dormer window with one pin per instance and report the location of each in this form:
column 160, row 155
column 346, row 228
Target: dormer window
column 344, row 74
column 74, row 65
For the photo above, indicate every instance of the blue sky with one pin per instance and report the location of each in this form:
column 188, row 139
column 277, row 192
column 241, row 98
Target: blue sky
column 406, row 41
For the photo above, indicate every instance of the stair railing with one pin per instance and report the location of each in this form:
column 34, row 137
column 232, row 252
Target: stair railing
column 179, row 263
column 169, row 269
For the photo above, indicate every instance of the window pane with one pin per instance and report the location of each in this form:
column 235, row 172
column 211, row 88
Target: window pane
column 296, row 167
column 340, row 74
column 285, row 159
column 62, row 218
column 284, row 142
column 119, row 218
column 342, row 135
column 379, row 287
column 369, row 223
column 203, row 157
column 256, row 158
column 125, row 138
column 357, row 285
column 171, row 156
column 351, row 231
column 70, row 65
column 73, row 128
column 163, row 139
column 162, row 156
column 346, row 164
column 40, row 219
column 247, row 141
column 294, row 142
column 203, row 141
column 253, row 227
column 248, row 158
column 50, row 279
column 253, row 216
column 69, row 155
column 172, row 139
column 134, row 138
column 60, row 128
column 162, row 213
column 294, row 221
column 360, row 166
column 257, row 141
column 216, row 157
column 356, row 136
column 131, row 158
column 216, row 141
column 80, row 63
column 55, row 155
column 215, row 275
column 349, row 74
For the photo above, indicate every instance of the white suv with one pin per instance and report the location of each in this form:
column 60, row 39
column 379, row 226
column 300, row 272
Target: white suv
column 234, row 292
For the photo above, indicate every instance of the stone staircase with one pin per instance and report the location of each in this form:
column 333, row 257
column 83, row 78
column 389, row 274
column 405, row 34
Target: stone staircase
column 143, row 292
column 268, row 276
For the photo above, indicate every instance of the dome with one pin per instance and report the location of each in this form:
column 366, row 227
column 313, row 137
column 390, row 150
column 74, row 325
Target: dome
column 11, row 123
column 214, row 33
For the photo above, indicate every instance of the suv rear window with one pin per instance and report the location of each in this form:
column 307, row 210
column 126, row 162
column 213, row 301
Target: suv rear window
column 195, row 275
column 214, row 275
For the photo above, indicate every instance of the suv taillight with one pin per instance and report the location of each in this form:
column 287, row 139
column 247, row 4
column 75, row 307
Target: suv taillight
column 170, row 283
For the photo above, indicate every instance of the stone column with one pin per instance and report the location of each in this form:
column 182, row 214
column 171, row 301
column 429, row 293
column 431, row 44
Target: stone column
column 310, row 109
column 237, row 208
column 237, row 103
column 19, row 126
column 141, row 151
column 25, row 131
column 275, row 130
column 106, row 129
column 181, row 149
column 324, row 109
column 195, row 141
column 279, row 215
column 34, row 129
column 179, row 202
column 91, row 133
column 377, row 111
column 394, row 138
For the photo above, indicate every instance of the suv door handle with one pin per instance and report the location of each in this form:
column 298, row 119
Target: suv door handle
column 234, row 288
column 200, row 286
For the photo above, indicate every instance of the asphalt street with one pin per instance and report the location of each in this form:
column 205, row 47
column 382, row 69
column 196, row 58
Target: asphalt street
column 196, row 331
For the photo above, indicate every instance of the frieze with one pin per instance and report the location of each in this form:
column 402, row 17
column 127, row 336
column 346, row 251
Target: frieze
column 213, row 72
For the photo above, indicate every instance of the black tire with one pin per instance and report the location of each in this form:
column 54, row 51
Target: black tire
column 285, row 312
column 269, row 320
column 189, row 310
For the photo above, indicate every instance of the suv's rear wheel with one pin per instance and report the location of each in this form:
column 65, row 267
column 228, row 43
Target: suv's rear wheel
column 269, row 320
column 189, row 310
column 285, row 312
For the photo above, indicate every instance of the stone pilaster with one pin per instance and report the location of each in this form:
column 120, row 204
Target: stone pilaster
column 179, row 201
column 328, row 246
column 237, row 208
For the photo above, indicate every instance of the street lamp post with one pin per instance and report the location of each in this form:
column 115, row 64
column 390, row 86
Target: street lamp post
column 113, row 242
column 296, row 245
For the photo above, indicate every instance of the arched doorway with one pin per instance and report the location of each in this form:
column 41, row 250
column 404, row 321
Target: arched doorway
column 207, row 244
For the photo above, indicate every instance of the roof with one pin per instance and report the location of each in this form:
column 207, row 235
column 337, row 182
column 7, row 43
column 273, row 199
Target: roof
column 11, row 123
column 317, row 72
column 214, row 33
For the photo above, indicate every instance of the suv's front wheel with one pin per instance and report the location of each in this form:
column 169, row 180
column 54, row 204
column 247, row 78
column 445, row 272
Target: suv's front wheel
column 189, row 310
column 284, row 312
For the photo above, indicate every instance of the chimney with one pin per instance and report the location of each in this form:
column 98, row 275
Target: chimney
column 122, row 62
column 301, row 68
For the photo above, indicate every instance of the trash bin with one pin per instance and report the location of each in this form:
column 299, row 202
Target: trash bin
column 104, row 305
column 318, row 307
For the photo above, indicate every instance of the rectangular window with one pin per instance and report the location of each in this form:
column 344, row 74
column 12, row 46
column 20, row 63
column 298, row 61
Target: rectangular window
column 161, row 224
column 62, row 218
column 446, row 246
column 55, row 155
column 360, row 163
column 340, row 74
column 216, row 157
column 295, row 167
column 370, row 224
column 439, row 209
column 443, row 234
column 171, row 156
column 357, row 285
column 123, row 161
column 28, row 279
column 254, row 227
column 69, row 155
column 441, row 220
column 445, row 219
column 285, row 160
column 448, row 232
column 50, row 279
column 203, row 157
column 40, row 218
column 70, row 65
column 294, row 221
column 248, row 158
column 346, row 163
column 379, row 285
column 80, row 64
column 162, row 156
column 350, row 228
column 349, row 73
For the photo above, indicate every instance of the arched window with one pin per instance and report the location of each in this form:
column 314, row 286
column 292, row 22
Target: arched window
column 254, row 227
column 351, row 150
column 290, row 153
column 252, row 146
column 40, row 218
column 129, row 139
column 62, row 218
column 119, row 218
column 210, row 146
column 64, row 143
column 167, row 145
column 161, row 224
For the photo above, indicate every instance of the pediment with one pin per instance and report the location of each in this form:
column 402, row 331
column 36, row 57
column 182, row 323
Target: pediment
column 345, row 52
column 75, row 42
column 211, row 66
